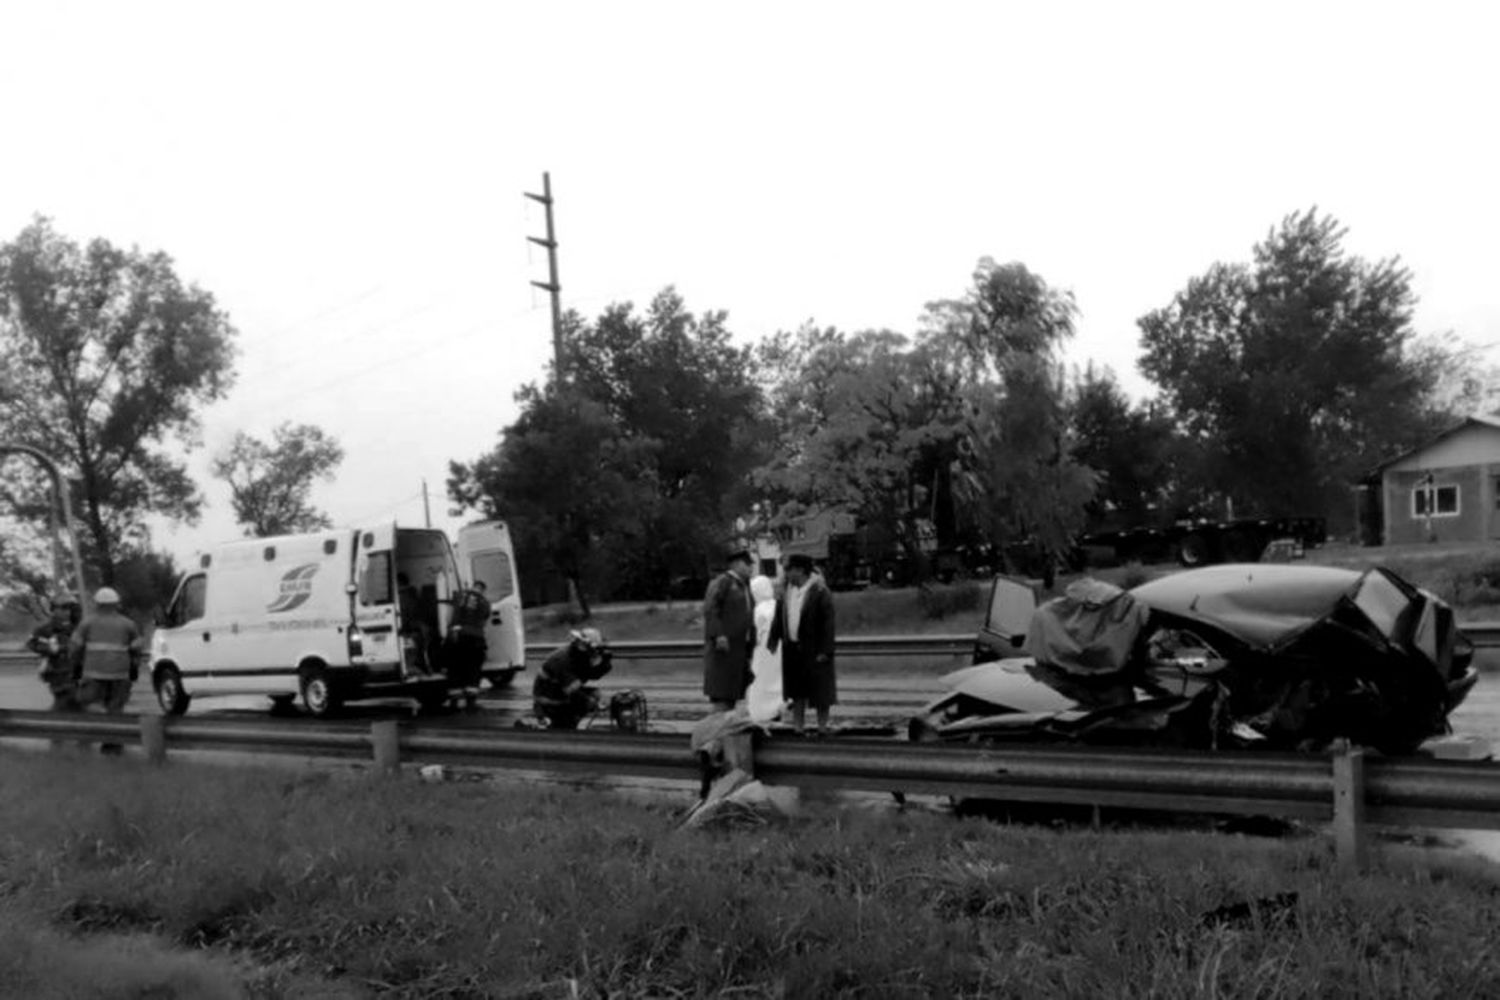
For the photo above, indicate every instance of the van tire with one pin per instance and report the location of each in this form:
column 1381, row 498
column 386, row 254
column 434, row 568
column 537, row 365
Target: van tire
column 319, row 696
column 169, row 694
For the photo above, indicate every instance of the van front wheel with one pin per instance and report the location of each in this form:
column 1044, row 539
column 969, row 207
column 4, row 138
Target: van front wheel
column 318, row 695
column 169, row 694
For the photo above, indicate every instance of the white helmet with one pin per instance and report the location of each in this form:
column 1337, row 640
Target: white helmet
column 106, row 595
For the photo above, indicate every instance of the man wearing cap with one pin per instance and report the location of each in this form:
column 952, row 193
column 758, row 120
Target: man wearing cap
column 728, row 632
column 804, row 628
column 49, row 640
column 106, row 652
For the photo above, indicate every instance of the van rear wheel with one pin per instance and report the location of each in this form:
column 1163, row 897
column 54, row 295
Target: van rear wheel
column 318, row 694
column 169, row 694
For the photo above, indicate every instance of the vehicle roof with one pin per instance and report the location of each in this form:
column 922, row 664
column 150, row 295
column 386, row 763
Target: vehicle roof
column 1260, row 603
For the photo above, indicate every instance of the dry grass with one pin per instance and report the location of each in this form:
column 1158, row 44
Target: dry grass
column 297, row 885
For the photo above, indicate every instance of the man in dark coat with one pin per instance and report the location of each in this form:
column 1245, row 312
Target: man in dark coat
column 728, row 633
column 804, row 631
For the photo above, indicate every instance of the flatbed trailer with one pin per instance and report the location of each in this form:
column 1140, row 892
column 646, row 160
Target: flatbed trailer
column 1203, row 541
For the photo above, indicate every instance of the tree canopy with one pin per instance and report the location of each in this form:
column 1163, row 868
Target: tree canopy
column 632, row 471
column 1293, row 374
column 106, row 358
column 271, row 484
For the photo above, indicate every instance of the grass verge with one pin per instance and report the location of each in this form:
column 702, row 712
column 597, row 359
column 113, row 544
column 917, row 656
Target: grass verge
column 274, row 885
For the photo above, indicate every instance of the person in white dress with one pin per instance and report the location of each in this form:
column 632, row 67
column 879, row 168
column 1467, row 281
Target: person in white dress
column 764, row 701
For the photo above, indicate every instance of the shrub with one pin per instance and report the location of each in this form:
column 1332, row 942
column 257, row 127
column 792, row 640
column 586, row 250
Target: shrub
column 1134, row 575
column 940, row 600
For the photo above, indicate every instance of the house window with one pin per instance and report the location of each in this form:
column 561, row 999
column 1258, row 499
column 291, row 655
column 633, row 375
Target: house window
column 1434, row 501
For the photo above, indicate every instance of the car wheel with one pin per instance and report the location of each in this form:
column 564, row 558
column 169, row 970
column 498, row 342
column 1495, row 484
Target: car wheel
column 1193, row 550
column 318, row 694
column 169, row 694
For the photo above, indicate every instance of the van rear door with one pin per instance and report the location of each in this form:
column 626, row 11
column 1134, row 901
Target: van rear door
column 485, row 554
column 375, row 598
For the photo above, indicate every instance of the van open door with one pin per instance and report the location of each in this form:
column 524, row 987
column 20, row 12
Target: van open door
column 375, row 604
column 485, row 554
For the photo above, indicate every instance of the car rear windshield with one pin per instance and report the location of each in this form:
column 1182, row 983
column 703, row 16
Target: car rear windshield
column 1383, row 602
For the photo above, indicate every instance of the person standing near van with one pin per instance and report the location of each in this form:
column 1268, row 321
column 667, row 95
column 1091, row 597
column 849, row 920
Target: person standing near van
column 466, row 645
column 106, row 649
column 728, row 633
column 49, row 640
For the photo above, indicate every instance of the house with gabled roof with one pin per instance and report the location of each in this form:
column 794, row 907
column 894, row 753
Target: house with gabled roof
column 1446, row 490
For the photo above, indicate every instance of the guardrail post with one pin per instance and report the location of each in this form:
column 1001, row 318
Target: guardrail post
column 1349, row 809
column 154, row 738
column 385, row 737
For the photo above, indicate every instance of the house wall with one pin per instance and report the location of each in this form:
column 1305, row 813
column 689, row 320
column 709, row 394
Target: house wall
column 1475, row 505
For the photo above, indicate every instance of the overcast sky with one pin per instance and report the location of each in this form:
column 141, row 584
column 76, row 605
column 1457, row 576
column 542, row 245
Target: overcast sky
column 348, row 178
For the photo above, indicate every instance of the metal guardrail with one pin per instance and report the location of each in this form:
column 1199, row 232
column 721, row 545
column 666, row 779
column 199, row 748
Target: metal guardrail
column 1345, row 788
column 1483, row 634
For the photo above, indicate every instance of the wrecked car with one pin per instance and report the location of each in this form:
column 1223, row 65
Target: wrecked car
column 1231, row 656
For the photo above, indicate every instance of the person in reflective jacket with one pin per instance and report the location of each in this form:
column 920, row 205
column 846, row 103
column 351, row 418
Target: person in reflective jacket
column 465, row 647
column 106, row 649
column 560, row 694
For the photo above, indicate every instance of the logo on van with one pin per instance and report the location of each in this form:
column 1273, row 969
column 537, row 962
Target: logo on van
column 296, row 588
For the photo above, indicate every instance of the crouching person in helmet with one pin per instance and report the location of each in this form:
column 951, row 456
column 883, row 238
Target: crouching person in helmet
column 560, row 693
column 106, row 651
column 50, row 640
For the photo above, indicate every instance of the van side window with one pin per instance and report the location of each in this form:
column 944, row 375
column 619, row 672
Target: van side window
column 375, row 580
column 190, row 602
column 493, row 568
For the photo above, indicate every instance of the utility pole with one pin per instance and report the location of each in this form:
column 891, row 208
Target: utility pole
column 551, row 284
column 426, row 508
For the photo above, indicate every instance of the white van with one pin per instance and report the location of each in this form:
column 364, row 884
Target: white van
column 322, row 615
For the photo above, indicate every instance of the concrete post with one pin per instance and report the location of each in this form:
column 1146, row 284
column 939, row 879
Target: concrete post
column 385, row 738
column 154, row 738
column 1349, row 810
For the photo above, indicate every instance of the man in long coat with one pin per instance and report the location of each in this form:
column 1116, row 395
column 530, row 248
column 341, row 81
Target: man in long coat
column 804, row 630
column 728, row 633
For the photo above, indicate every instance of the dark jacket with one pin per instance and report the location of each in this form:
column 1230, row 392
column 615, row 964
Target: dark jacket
column 807, row 667
column 727, row 612
column 49, row 640
column 564, row 667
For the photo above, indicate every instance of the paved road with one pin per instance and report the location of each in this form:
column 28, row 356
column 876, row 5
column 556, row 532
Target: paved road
column 875, row 695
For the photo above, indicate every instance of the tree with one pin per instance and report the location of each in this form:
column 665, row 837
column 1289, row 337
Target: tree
column 1293, row 374
column 675, row 385
column 270, row 484
column 106, row 357
column 1130, row 447
column 1002, row 341
column 847, row 426
column 574, row 487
